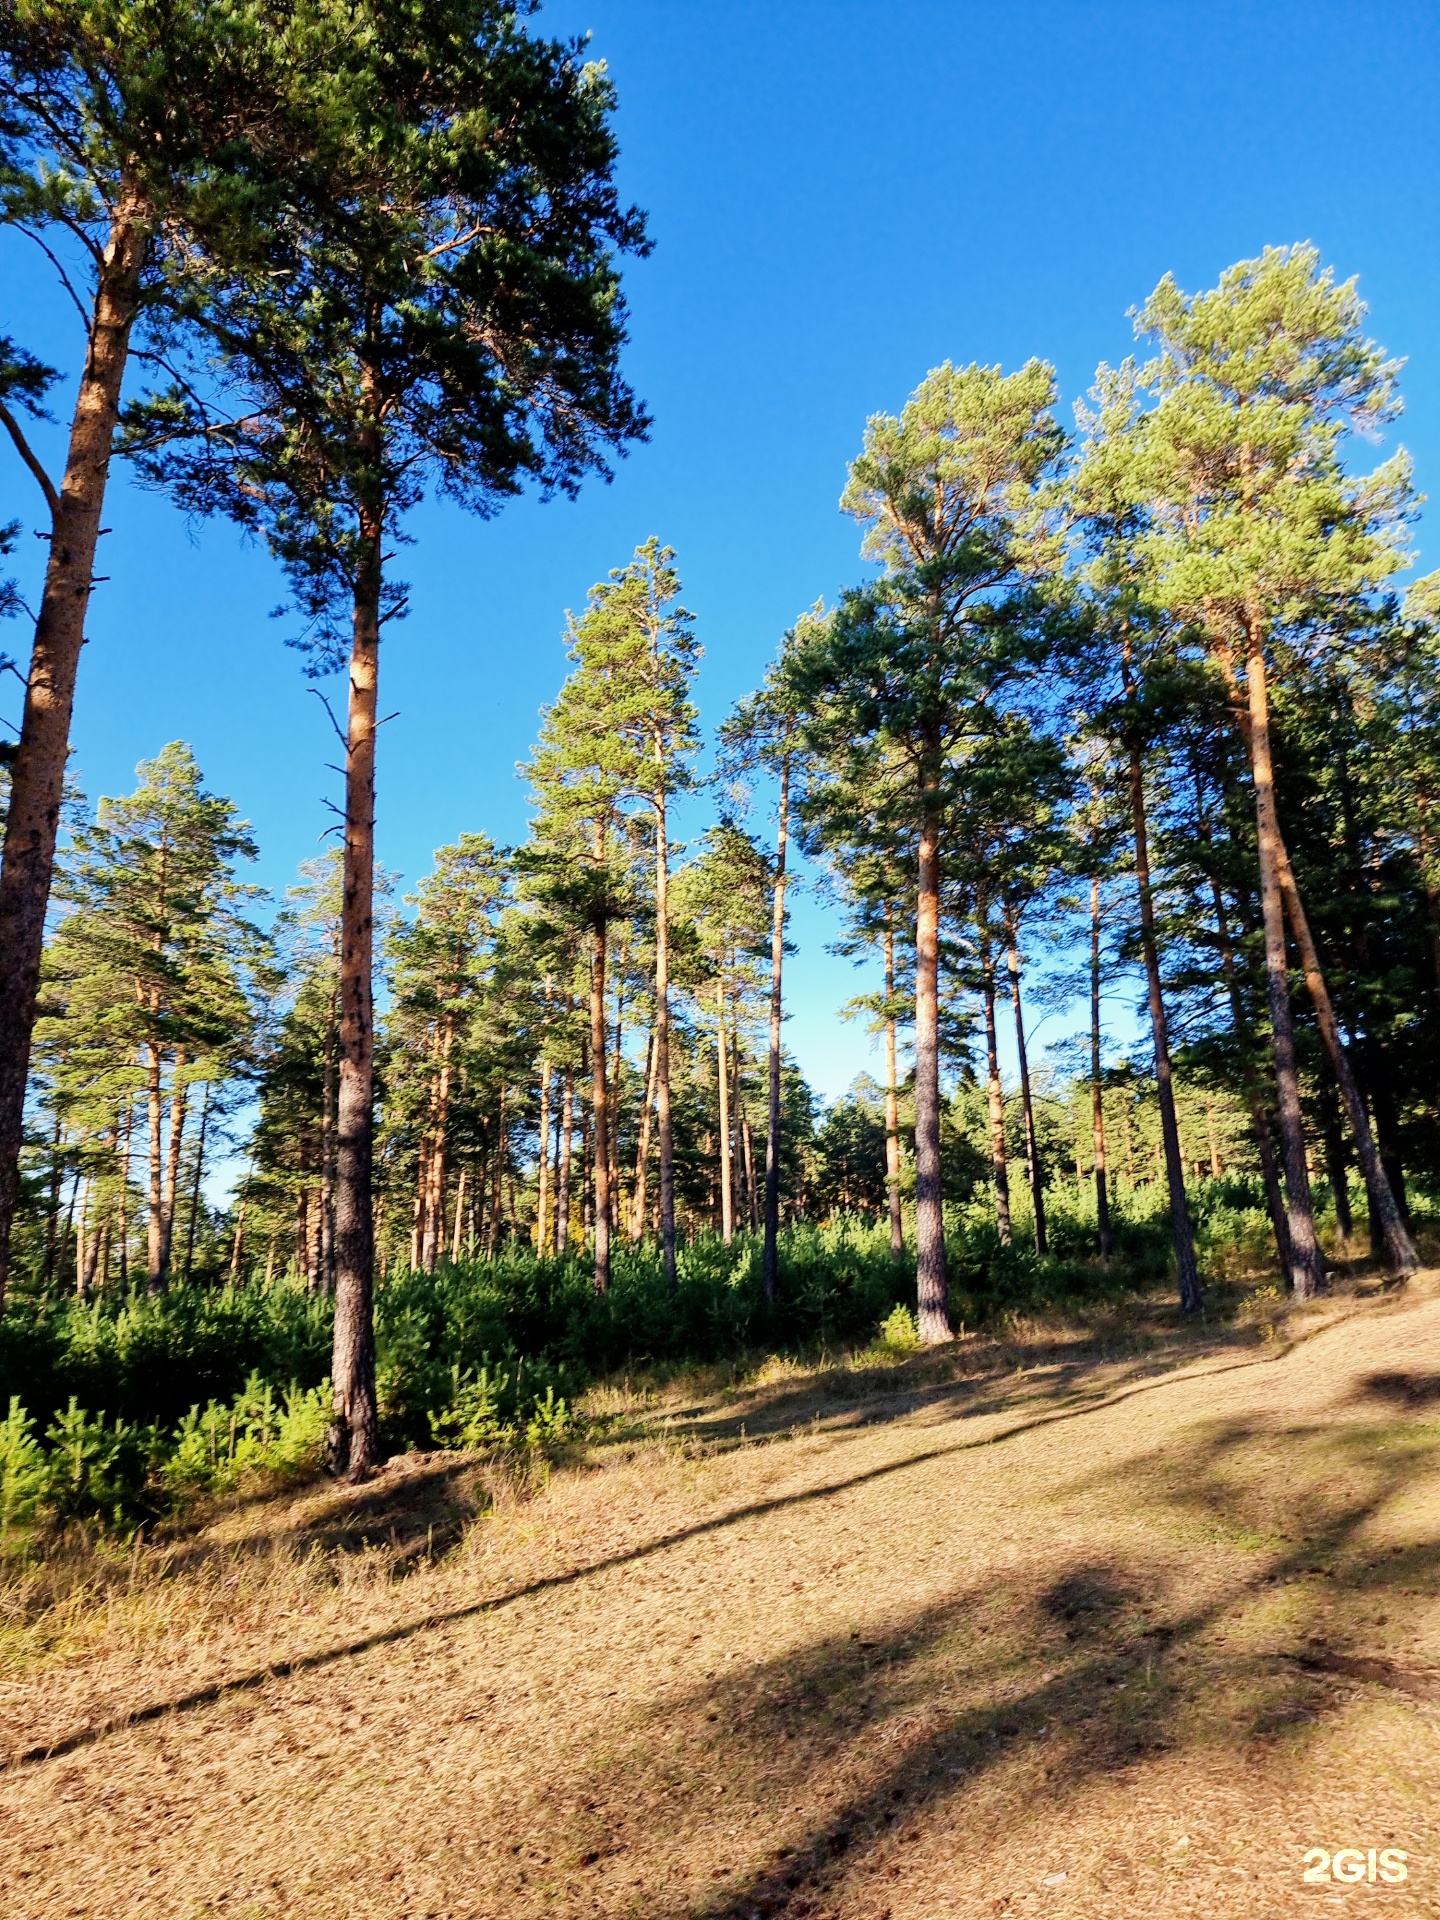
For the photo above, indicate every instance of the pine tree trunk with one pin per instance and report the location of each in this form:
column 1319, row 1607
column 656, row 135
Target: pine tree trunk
column 642, row 1145
column 892, row 1100
column 155, row 1225
column 1335, row 1169
column 747, row 1148
column 994, row 1093
column 542, row 1177
column 179, row 1108
column 664, row 1126
column 459, row 1216
column 355, row 1422
column 1034, row 1172
column 1186, row 1271
column 600, row 1111
column 770, row 1264
column 562, row 1183
column 932, row 1292
column 1097, row 1101
column 1306, row 1265
column 37, row 774
column 327, row 1152
column 727, row 1170
column 195, row 1188
column 1385, row 1209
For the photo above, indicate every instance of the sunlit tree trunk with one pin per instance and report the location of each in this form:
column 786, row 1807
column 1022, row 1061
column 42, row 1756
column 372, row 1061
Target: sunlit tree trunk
column 355, row 1423
column 664, row 1127
column 562, row 1183
column 1035, row 1173
column 642, row 1145
column 542, row 1176
column 994, row 1093
column 196, row 1184
column 722, row 1078
column 154, row 1115
column 600, row 1102
column 179, row 1107
column 770, row 1262
column 1097, row 1100
column 37, row 774
column 892, row 1099
column 932, row 1292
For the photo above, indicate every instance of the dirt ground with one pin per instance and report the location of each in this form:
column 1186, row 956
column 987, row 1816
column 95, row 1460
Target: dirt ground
column 1084, row 1625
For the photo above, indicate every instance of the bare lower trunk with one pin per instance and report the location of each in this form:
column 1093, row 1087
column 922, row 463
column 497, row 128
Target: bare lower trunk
column 1307, row 1270
column 932, row 1292
column 1035, row 1173
column 562, row 1181
column 179, row 1107
column 892, row 1101
column 196, row 1183
column 664, row 1126
column 727, row 1169
column 155, row 1224
column 459, row 1217
column 327, row 1154
column 37, row 774
column 1335, row 1168
column 747, row 1149
column 355, row 1423
column 1097, row 1102
column 1399, row 1248
column 600, row 1111
column 542, row 1187
column 770, row 1263
column 642, row 1146
column 995, row 1099
column 1186, row 1271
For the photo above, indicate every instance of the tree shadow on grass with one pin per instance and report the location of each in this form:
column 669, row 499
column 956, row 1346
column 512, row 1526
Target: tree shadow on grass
column 1087, row 1672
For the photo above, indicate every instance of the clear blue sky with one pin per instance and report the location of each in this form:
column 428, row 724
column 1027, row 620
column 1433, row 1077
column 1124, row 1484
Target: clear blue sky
column 841, row 196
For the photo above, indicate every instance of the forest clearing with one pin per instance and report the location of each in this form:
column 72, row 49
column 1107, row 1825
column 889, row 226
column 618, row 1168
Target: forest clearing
column 1107, row 1618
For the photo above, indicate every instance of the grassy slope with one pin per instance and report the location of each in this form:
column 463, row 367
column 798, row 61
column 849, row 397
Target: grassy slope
column 910, row 1640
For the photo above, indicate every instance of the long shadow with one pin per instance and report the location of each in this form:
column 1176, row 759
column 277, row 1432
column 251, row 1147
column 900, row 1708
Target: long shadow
column 1099, row 1623
column 213, row 1691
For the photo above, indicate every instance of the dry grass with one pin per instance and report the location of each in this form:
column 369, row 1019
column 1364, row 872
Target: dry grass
column 1105, row 1620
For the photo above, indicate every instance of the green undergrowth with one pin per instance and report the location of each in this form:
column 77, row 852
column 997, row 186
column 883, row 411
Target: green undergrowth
column 130, row 1407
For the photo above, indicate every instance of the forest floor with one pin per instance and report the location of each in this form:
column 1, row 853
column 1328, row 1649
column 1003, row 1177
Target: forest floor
column 1114, row 1618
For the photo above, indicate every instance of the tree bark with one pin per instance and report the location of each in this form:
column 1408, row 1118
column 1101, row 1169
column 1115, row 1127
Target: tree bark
column 195, row 1185
column 1335, row 1170
column 771, row 1260
column 664, row 1126
column 155, row 1224
column 37, row 774
column 1186, row 1271
column 1097, row 1101
column 642, row 1145
column 542, row 1187
column 994, row 1093
column 600, row 1109
column 1399, row 1248
column 727, row 1170
column 355, row 1422
column 459, row 1216
column 747, row 1148
column 179, row 1110
column 1307, row 1266
column 562, row 1180
column 1035, row 1173
column 932, row 1291
column 892, row 1100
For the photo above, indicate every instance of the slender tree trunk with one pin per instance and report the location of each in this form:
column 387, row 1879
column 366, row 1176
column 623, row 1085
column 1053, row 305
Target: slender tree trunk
column 770, row 1265
column 542, row 1178
column 932, row 1292
column 722, row 1077
column 747, row 1148
column 497, row 1180
column 239, row 1241
column 642, row 1146
column 562, row 1183
column 195, row 1186
column 52, row 1212
column 155, row 1226
column 327, row 1151
column 664, row 1124
column 892, row 1099
column 1097, row 1101
column 122, row 1203
column 84, row 1242
column 432, row 1230
column 1335, row 1169
column 179, row 1109
column 600, row 1110
column 459, row 1215
column 1186, row 1271
column 1035, row 1173
column 1307, row 1266
column 37, row 774
column 355, row 1421
column 994, row 1091
column 1399, row 1248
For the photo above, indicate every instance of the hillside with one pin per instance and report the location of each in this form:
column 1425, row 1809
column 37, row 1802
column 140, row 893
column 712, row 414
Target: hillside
column 1110, row 1622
